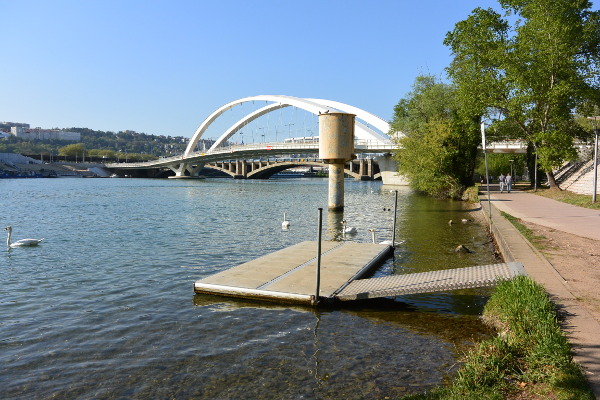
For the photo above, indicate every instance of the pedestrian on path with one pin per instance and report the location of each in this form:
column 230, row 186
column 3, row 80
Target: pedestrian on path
column 501, row 179
column 508, row 180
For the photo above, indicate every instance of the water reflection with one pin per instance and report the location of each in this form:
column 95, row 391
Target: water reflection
column 406, row 314
column 342, row 353
column 334, row 225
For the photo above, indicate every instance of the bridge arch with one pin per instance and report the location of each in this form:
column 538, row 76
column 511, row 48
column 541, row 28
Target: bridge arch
column 266, row 171
column 315, row 106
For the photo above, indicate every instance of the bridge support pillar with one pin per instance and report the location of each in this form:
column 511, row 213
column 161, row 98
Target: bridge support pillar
column 185, row 170
column 389, row 171
column 336, row 146
column 336, row 187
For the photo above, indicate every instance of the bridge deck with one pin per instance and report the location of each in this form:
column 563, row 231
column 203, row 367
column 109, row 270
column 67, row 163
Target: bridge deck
column 289, row 275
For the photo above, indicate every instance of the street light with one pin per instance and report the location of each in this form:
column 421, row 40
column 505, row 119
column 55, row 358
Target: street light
column 511, row 168
column 595, row 119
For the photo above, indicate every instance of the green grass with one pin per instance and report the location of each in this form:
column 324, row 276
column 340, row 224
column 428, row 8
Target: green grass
column 529, row 357
column 565, row 196
column 471, row 194
column 537, row 240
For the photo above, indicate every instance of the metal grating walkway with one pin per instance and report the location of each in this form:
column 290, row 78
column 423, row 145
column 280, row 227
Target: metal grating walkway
column 432, row 281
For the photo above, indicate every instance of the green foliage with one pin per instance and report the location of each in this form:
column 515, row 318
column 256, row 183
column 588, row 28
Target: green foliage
column 471, row 194
column 437, row 148
column 72, row 150
column 97, row 142
column 501, row 163
column 580, row 200
column 530, row 354
column 529, row 75
column 534, row 239
column 557, row 147
column 526, row 315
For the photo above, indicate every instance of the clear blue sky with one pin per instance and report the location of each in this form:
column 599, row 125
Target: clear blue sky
column 161, row 67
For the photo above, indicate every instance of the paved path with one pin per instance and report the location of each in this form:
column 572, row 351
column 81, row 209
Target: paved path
column 547, row 212
column 582, row 329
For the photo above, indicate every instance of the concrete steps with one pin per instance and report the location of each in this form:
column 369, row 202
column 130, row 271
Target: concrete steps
column 581, row 181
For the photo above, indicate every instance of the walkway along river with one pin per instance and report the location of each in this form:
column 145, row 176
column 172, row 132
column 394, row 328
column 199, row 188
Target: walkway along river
column 104, row 307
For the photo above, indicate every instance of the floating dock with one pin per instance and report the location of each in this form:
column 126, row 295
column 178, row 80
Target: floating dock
column 289, row 275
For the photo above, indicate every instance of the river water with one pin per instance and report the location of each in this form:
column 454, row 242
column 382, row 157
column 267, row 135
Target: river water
column 104, row 308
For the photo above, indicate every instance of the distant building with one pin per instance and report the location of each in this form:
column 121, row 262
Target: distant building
column 6, row 126
column 44, row 134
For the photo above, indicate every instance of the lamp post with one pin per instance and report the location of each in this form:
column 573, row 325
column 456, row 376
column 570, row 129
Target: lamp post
column 512, row 162
column 487, row 174
column 289, row 129
column 595, row 119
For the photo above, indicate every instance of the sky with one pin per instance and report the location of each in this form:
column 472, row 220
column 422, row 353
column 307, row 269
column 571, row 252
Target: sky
column 162, row 67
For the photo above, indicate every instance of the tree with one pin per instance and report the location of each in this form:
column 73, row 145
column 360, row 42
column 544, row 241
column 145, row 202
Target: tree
column 531, row 74
column 72, row 150
column 437, row 145
column 502, row 163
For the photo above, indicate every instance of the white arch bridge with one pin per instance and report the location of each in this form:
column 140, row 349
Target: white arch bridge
column 370, row 134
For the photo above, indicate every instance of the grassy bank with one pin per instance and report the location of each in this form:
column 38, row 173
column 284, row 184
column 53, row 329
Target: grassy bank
column 536, row 240
column 565, row 196
column 529, row 358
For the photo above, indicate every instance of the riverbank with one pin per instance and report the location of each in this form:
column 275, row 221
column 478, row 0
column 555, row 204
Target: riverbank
column 561, row 278
column 529, row 358
column 500, row 368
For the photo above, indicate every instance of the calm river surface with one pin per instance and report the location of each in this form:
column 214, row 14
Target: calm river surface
column 104, row 308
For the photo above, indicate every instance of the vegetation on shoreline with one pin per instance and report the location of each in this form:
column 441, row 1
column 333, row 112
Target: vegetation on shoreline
column 123, row 144
column 471, row 194
column 580, row 200
column 534, row 239
column 529, row 73
column 529, row 358
column 437, row 149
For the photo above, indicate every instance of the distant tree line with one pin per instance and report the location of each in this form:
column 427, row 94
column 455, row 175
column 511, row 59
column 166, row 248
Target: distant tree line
column 123, row 145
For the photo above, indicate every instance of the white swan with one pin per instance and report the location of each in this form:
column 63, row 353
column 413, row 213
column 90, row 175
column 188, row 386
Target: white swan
column 22, row 242
column 348, row 229
column 388, row 242
column 285, row 224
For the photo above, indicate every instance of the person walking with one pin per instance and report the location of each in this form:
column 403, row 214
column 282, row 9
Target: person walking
column 508, row 180
column 501, row 180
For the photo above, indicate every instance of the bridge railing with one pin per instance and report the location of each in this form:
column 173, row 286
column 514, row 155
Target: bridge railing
column 373, row 146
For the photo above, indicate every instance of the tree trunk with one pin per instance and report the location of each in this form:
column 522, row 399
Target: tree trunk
column 551, row 181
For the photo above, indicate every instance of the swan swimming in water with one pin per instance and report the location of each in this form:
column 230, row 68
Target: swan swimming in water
column 388, row 241
column 348, row 229
column 22, row 242
column 285, row 224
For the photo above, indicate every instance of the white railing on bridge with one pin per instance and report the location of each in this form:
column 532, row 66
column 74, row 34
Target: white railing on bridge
column 360, row 146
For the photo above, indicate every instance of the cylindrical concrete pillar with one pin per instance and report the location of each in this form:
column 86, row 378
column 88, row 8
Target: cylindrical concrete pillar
column 336, row 146
column 336, row 187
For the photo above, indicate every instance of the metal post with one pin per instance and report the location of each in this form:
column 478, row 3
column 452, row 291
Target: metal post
column 318, row 277
column 595, row 163
column 595, row 119
column 535, row 172
column 487, row 174
column 394, row 224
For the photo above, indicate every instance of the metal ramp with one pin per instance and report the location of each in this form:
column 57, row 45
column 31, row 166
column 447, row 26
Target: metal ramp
column 429, row 282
